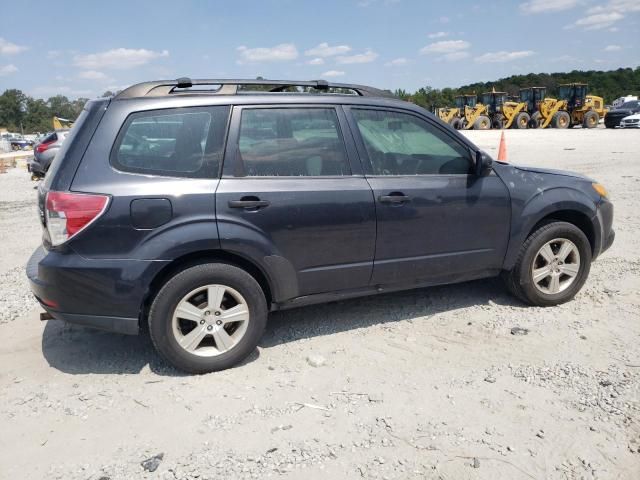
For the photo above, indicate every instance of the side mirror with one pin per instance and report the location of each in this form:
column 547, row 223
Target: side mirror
column 483, row 163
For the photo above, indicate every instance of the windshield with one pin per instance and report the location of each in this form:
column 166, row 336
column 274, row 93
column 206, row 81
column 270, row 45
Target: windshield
column 633, row 104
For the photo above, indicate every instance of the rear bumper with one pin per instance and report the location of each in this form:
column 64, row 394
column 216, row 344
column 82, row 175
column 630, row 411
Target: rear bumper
column 104, row 294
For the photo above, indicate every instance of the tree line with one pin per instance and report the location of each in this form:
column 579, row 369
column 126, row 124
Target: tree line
column 20, row 112
column 607, row 84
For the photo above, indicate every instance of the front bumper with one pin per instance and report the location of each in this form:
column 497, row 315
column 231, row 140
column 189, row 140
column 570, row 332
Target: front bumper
column 103, row 294
column 629, row 125
column 604, row 222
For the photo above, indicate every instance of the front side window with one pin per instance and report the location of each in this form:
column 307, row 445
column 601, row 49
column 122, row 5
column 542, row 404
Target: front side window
column 182, row 142
column 291, row 142
column 402, row 144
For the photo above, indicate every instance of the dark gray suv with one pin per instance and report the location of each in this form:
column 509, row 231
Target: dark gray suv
column 197, row 207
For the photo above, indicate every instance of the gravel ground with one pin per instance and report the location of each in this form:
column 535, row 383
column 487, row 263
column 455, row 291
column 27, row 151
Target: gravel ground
column 433, row 383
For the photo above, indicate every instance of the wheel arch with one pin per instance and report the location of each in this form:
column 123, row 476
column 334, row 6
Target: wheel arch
column 574, row 217
column 207, row 256
column 559, row 204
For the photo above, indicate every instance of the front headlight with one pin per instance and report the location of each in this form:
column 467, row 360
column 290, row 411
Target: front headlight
column 598, row 187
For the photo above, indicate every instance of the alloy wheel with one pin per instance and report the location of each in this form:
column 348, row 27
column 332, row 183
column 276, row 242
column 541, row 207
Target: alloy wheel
column 210, row 320
column 555, row 266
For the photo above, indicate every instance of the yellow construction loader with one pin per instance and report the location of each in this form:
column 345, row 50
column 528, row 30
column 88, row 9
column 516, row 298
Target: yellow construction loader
column 573, row 107
column 505, row 113
column 533, row 96
column 453, row 115
column 61, row 123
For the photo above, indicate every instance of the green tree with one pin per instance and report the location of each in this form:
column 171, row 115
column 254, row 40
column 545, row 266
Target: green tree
column 13, row 105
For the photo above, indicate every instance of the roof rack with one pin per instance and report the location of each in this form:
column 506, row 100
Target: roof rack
column 231, row 87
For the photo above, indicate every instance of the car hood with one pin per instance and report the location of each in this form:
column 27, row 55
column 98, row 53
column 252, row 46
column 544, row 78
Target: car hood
column 620, row 111
column 634, row 116
column 551, row 171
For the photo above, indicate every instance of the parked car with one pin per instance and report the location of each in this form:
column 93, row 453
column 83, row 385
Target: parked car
column 632, row 121
column 199, row 211
column 20, row 143
column 613, row 117
column 45, row 151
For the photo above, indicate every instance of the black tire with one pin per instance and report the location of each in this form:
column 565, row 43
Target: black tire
column 590, row 119
column 482, row 123
column 536, row 120
column 497, row 123
column 173, row 291
column 455, row 123
column 519, row 280
column 561, row 119
column 522, row 121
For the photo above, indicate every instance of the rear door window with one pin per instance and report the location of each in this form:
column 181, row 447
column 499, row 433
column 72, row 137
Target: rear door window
column 291, row 142
column 180, row 142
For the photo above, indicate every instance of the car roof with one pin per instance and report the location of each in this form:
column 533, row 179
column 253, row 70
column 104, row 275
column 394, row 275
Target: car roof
column 181, row 93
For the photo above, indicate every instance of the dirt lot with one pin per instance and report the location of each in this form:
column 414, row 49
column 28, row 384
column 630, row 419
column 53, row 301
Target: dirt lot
column 422, row 384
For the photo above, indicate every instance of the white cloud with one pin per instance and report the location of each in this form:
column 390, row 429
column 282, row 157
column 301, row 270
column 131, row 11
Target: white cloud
column 279, row 53
column 316, row 61
column 118, row 58
column 397, row 62
column 438, row 35
column 366, row 57
column 92, row 75
column 541, row 6
column 54, row 53
column 598, row 21
column 326, row 50
column 623, row 6
column 8, row 48
column 606, row 15
column 445, row 46
column 333, row 73
column 612, row 48
column 503, row 56
column 8, row 70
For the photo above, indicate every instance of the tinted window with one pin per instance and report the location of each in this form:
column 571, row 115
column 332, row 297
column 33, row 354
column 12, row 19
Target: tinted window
column 182, row 142
column 402, row 144
column 291, row 142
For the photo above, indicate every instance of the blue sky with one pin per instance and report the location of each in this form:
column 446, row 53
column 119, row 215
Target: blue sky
column 84, row 48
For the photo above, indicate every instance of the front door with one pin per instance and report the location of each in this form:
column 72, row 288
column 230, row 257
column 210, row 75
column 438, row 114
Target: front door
column 290, row 194
column 437, row 220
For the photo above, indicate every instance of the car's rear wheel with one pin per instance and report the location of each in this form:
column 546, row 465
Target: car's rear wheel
column 208, row 318
column 552, row 266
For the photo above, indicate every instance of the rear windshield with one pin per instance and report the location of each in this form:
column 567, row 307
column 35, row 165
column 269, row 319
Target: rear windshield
column 51, row 138
column 68, row 139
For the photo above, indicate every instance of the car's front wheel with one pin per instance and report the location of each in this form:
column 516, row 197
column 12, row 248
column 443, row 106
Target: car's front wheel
column 208, row 318
column 552, row 266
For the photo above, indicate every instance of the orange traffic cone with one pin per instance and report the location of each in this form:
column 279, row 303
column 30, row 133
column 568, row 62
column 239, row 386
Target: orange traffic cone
column 502, row 150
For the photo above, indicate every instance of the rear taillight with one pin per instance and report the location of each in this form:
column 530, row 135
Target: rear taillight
column 43, row 147
column 68, row 213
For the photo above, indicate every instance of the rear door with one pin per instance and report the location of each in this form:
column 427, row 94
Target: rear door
column 437, row 220
column 293, row 193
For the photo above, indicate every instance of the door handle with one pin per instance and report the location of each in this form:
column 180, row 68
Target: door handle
column 253, row 203
column 395, row 198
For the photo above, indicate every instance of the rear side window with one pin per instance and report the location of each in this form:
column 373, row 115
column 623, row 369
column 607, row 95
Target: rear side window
column 291, row 142
column 403, row 144
column 180, row 142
